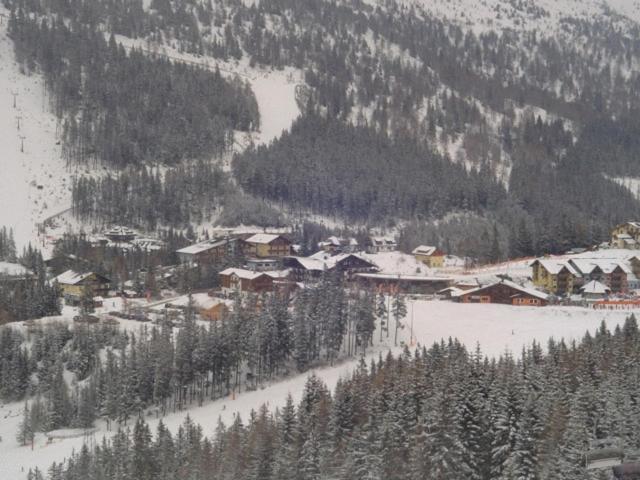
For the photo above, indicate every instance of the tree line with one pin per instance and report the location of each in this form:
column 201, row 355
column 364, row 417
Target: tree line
column 117, row 374
column 440, row 412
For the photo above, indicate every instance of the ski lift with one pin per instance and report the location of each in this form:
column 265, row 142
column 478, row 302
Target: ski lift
column 604, row 453
column 630, row 469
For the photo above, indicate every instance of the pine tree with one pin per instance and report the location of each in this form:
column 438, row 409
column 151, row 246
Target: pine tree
column 399, row 311
column 26, row 432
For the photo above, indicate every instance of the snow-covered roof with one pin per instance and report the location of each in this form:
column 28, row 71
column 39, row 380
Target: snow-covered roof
column 70, row 277
column 632, row 224
column 454, row 291
column 595, row 287
column 382, row 241
column 555, row 266
column 425, row 250
column 204, row 246
column 262, row 238
column 408, row 278
column 120, row 231
column 337, row 242
column 529, row 291
column 200, row 300
column 321, row 261
column 278, row 274
column 585, row 266
column 13, row 270
column 242, row 273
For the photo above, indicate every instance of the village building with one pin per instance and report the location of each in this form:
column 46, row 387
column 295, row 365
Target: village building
column 63, row 262
column 336, row 245
column 209, row 251
column 458, row 288
column 507, row 293
column 405, row 284
column 626, row 236
column 264, row 245
column 611, row 273
column 239, row 280
column 263, row 264
column 206, row 306
column 381, row 244
column 314, row 266
column 430, row 256
column 553, row 276
column 14, row 273
column 120, row 234
column 74, row 285
column 594, row 290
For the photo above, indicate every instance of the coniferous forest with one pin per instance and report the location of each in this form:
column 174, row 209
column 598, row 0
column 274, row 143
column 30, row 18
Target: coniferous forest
column 118, row 374
column 441, row 412
column 127, row 108
column 387, row 91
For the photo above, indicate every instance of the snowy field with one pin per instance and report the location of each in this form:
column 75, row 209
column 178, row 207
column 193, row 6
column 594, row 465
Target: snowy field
column 33, row 182
column 497, row 328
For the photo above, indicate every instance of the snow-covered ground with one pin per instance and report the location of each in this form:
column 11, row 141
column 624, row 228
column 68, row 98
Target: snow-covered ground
column 33, row 183
column 630, row 183
column 497, row 328
column 543, row 15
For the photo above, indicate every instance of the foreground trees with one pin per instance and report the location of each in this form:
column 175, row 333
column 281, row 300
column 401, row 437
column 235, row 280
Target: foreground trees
column 439, row 413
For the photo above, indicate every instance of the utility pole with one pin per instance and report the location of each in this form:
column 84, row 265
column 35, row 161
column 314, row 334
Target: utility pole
column 15, row 96
column 18, row 118
column 22, row 137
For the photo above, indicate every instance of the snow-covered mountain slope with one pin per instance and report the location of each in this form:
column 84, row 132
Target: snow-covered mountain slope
column 542, row 15
column 33, row 180
column 275, row 90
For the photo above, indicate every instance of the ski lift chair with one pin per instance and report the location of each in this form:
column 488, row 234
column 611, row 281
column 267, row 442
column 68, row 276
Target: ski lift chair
column 604, row 453
column 630, row 469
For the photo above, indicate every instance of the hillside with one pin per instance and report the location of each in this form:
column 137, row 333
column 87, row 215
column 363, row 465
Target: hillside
column 512, row 92
column 33, row 182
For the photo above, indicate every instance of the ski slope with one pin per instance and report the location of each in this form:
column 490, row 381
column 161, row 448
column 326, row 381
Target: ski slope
column 497, row 328
column 33, row 179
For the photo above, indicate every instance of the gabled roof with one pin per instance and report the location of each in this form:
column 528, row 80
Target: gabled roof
column 427, row 251
column 263, row 238
column 71, row 277
column 554, row 267
column 595, row 287
column 322, row 261
column 585, row 266
column 528, row 291
column 243, row 274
